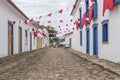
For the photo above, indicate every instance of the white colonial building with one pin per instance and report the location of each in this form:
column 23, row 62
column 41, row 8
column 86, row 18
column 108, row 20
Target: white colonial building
column 99, row 28
column 14, row 38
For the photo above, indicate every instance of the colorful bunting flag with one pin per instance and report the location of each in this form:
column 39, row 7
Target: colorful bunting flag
column 108, row 4
column 49, row 15
column 60, row 11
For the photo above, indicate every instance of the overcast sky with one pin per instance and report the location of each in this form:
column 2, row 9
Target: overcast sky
column 36, row 8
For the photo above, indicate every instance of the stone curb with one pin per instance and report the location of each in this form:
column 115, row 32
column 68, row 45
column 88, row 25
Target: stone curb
column 100, row 62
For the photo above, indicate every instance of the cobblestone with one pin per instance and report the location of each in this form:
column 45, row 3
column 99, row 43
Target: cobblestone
column 53, row 64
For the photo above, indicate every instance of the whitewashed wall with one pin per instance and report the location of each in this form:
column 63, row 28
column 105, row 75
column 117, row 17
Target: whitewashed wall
column 108, row 51
column 8, row 12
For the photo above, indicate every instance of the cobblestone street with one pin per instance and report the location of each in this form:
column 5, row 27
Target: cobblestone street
column 52, row 64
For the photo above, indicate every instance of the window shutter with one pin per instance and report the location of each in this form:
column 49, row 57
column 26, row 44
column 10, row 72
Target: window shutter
column 116, row 2
column 95, row 11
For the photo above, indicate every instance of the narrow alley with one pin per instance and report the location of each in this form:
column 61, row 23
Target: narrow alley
column 52, row 64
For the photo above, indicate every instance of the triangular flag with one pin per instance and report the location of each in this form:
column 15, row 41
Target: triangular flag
column 61, row 21
column 74, row 6
column 71, row 20
column 108, row 4
column 49, row 15
column 31, row 20
column 36, row 33
column 25, row 21
column 66, row 24
column 60, row 11
column 59, row 26
column 92, row 0
column 77, row 24
column 49, row 21
column 40, row 17
column 14, row 22
column 72, row 28
column 90, row 13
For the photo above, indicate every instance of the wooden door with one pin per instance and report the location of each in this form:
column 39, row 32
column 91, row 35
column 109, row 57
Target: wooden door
column 18, row 40
column 10, row 39
column 39, row 43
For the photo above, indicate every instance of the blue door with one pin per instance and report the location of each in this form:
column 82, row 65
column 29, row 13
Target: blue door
column 95, row 39
column 70, row 42
column 88, row 41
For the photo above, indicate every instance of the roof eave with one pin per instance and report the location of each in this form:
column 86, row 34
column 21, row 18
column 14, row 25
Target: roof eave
column 11, row 2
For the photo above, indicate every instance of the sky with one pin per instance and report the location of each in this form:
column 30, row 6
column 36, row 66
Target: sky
column 37, row 8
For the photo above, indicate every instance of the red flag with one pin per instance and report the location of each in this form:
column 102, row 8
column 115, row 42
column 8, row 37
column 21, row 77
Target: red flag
column 90, row 13
column 33, row 29
column 40, row 17
column 25, row 21
column 74, row 6
column 31, row 20
column 108, row 4
column 71, row 20
column 72, row 28
column 66, row 24
column 36, row 33
column 59, row 26
column 77, row 25
column 49, row 15
column 14, row 22
column 60, row 11
column 61, row 21
column 84, row 19
column 79, row 19
column 49, row 21
column 92, row 0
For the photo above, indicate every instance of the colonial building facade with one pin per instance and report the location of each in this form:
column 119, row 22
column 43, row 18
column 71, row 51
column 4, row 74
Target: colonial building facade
column 14, row 38
column 99, row 28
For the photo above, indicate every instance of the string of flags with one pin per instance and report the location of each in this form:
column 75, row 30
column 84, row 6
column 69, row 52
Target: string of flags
column 37, row 32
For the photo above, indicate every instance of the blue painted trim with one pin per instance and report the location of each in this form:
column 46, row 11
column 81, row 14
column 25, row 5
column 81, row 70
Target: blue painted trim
column 105, row 31
column 105, row 22
column 80, row 11
column 116, row 2
column 95, row 39
column 87, row 29
column 95, row 10
column 87, row 40
column 95, row 25
column 87, row 8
